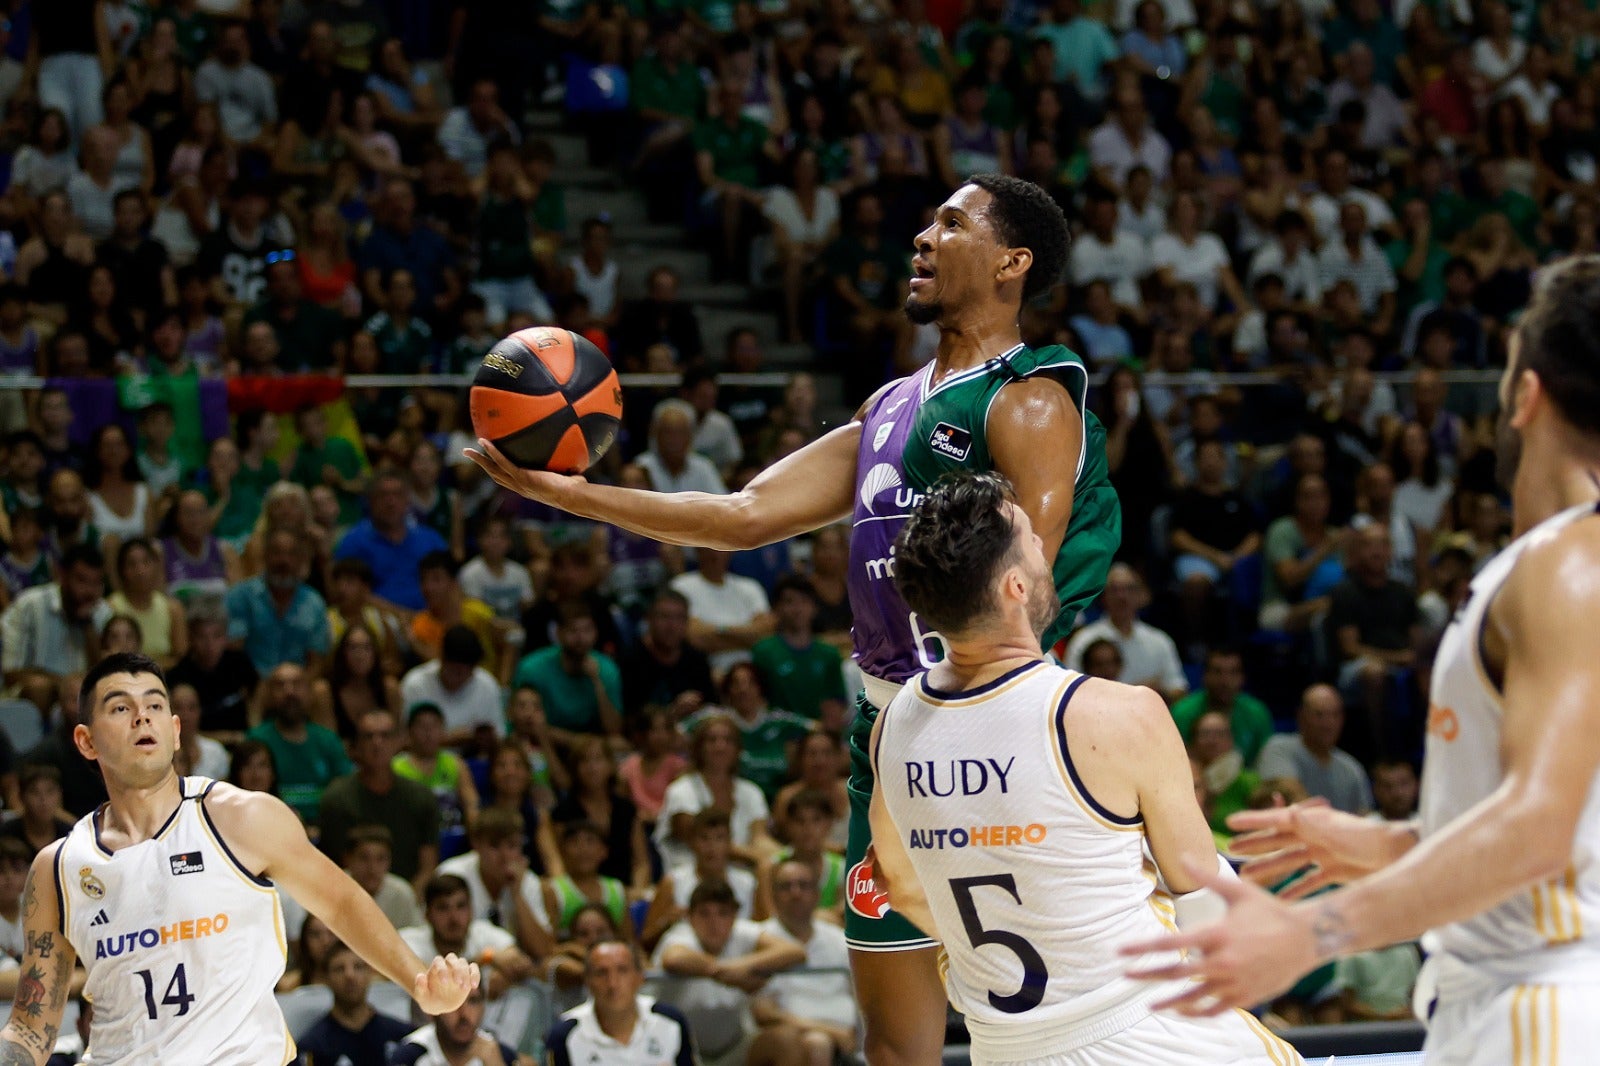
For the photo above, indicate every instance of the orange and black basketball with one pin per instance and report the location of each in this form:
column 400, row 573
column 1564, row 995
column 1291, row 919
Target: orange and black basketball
column 548, row 399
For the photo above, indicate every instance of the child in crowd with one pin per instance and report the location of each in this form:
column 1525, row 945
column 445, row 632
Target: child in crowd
column 368, row 853
column 25, row 563
column 583, row 849
column 205, row 338
column 656, row 764
column 711, row 841
column 495, row 578
column 810, row 817
column 531, row 729
column 427, row 761
column 162, row 468
column 23, row 485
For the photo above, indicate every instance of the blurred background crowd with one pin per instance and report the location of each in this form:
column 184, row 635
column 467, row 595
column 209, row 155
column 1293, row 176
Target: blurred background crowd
column 232, row 232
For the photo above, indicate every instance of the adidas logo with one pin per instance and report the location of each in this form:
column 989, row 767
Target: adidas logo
column 100, row 919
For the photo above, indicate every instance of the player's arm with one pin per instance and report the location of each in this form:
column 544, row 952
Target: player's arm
column 1035, row 435
column 891, row 864
column 1519, row 835
column 803, row 491
column 45, row 978
column 1148, row 744
column 267, row 838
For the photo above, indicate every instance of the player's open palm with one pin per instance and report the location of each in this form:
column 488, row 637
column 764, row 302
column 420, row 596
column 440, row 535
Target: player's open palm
column 445, row 984
column 541, row 485
column 1327, row 847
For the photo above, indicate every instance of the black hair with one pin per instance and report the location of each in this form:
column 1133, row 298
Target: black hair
column 130, row 546
column 1025, row 216
column 356, row 568
column 1558, row 333
column 460, row 647
column 93, row 471
column 122, row 662
column 949, row 551
column 11, row 292
column 792, row 582
column 422, row 709
column 442, row 561
column 694, row 374
column 246, row 424
column 582, row 827
column 243, row 752
column 443, row 886
column 158, row 407
column 1223, row 651
column 713, row 892
column 81, row 555
column 22, row 437
column 127, row 194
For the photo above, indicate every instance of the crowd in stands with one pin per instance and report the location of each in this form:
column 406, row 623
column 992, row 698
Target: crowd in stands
column 531, row 737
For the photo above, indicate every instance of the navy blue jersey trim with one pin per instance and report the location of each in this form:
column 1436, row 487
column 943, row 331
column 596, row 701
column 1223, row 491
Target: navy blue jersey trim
column 988, row 686
column 223, row 844
column 1066, row 757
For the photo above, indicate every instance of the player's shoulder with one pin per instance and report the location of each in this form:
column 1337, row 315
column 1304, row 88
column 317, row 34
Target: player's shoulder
column 1553, row 576
column 1114, row 712
column 872, row 401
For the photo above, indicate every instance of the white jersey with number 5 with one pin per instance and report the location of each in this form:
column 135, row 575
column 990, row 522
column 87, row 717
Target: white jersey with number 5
column 1546, row 934
column 1033, row 885
column 183, row 946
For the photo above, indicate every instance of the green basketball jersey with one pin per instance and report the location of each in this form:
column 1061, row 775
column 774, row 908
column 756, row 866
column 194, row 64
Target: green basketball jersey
column 949, row 432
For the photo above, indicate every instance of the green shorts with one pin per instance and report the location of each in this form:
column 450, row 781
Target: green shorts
column 862, row 930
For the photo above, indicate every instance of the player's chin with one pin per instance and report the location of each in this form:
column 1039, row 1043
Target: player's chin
column 923, row 311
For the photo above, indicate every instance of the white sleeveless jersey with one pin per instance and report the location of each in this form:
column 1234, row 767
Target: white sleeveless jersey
column 182, row 945
column 1549, row 930
column 1033, row 885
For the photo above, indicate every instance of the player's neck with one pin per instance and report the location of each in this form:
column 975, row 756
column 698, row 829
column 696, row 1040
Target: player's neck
column 971, row 663
column 1573, row 480
column 965, row 343
column 137, row 814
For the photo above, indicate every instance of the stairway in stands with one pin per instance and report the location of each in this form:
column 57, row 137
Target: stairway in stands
column 641, row 246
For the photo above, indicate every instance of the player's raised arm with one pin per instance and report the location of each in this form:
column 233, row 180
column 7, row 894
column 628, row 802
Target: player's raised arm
column 268, row 839
column 46, row 976
column 1035, row 435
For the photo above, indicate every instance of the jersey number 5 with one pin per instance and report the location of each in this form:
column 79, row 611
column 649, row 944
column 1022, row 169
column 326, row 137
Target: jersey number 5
column 176, row 995
column 1034, row 974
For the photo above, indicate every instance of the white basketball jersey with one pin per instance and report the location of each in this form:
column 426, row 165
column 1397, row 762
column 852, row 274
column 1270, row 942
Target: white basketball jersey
column 182, row 945
column 1033, row 885
column 1518, row 939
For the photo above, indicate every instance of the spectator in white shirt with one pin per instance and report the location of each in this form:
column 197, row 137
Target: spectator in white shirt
column 714, row 960
column 670, row 461
column 1334, row 178
column 617, row 1025
column 451, row 929
column 1186, row 253
column 1387, row 123
column 1498, row 54
column 1534, row 88
column 1106, row 253
column 199, row 754
column 714, row 436
column 1149, row 656
column 1356, row 257
column 815, row 1010
column 246, row 99
column 503, row 891
column 466, row 131
column 466, row 694
column 456, row 1039
column 1288, row 254
column 1138, row 212
column 1127, row 139
column 728, row 614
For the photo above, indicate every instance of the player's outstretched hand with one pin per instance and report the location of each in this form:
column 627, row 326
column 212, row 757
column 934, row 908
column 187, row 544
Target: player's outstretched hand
column 541, row 485
column 1326, row 847
column 445, row 984
column 1251, row 956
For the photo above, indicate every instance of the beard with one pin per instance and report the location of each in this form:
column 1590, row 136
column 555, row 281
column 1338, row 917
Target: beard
column 1507, row 450
column 923, row 314
column 1042, row 604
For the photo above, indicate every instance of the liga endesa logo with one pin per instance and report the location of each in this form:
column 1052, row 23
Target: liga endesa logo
column 862, row 894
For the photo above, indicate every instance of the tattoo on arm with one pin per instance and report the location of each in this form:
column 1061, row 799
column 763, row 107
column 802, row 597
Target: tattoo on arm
column 1331, row 932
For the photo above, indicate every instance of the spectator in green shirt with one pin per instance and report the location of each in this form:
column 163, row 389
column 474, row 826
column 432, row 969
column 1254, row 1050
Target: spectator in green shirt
column 581, row 687
column 308, row 755
column 1418, row 258
column 405, row 342
column 668, row 98
column 767, row 734
column 802, row 674
column 1222, row 690
column 1228, row 784
column 310, row 336
column 331, row 461
column 730, row 153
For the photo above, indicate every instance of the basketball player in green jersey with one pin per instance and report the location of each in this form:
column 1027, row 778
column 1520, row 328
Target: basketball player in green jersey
column 985, row 402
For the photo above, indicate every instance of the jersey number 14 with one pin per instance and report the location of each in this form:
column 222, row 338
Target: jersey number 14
column 176, row 995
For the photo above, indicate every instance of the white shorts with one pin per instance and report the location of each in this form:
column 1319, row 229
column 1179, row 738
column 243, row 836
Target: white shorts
column 1164, row 1039
column 1524, row 1025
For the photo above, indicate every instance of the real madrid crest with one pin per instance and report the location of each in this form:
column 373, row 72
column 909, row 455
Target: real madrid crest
column 92, row 886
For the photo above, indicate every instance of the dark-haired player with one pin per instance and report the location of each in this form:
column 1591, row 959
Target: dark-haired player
column 168, row 893
column 1502, row 871
column 1019, row 807
column 985, row 402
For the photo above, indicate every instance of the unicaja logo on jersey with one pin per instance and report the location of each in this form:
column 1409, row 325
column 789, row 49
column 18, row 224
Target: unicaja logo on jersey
column 861, row 892
column 879, row 479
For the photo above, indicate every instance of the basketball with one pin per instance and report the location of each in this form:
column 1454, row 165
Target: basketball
column 548, row 399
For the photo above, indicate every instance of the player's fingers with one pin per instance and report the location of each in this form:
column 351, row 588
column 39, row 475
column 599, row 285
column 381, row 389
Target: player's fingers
column 1308, row 885
column 477, row 975
column 488, row 466
column 1274, row 868
column 1250, row 821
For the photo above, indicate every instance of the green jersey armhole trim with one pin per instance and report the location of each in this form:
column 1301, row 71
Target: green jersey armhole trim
column 1083, row 412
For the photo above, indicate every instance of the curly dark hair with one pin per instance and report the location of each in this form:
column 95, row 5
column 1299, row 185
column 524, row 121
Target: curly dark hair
column 948, row 553
column 1558, row 339
column 1024, row 216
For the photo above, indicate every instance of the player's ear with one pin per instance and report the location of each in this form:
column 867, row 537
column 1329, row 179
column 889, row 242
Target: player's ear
column 1014, row 264
column 84, row 741
column 1527, row 395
